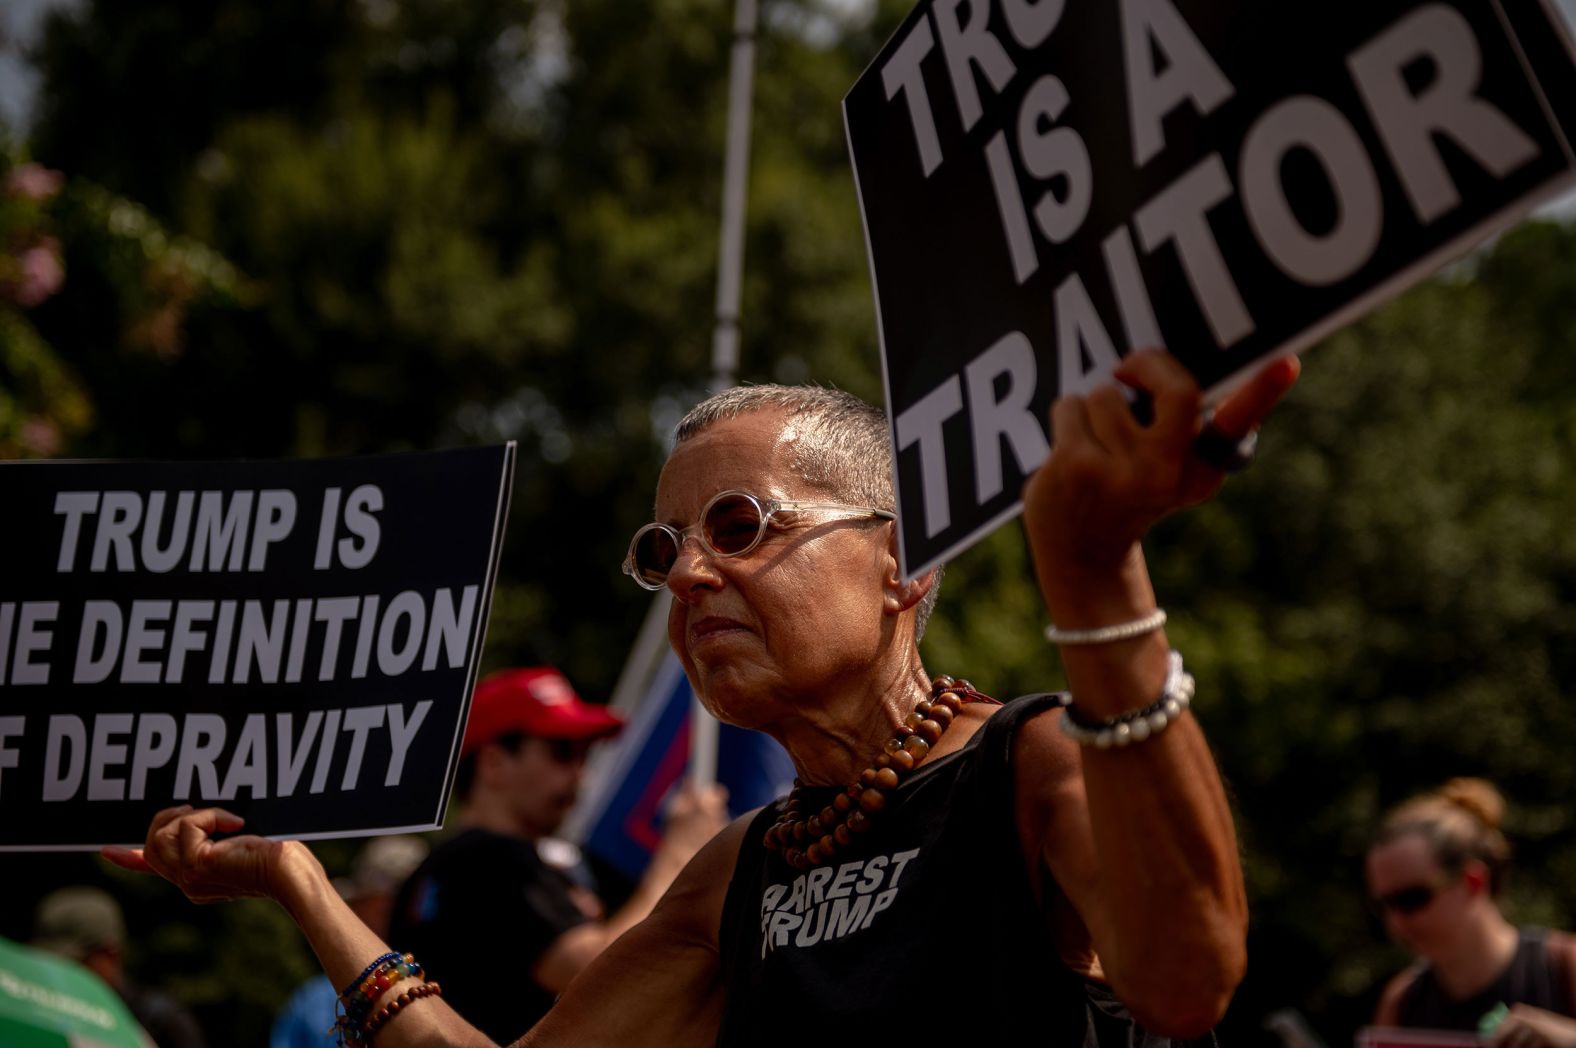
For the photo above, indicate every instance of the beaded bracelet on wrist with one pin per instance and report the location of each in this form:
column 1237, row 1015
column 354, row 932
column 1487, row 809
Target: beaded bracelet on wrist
column 393, row 1008
column 358, row 999
column 392, row 955
column 1175, row 697
column 1107, row 634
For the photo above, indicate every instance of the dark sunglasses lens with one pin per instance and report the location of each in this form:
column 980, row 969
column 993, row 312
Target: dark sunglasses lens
column 566, row 751
column 1407, row 900
column 733, row 524
column 655, row 552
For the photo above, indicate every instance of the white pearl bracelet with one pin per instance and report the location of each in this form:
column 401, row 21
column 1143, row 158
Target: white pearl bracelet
column 1175, row 697
column 1107, row 634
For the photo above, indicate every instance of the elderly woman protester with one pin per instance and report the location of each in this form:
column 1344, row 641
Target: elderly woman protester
column 949, row 867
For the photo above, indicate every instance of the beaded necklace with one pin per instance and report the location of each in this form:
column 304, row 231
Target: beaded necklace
column 807, row 842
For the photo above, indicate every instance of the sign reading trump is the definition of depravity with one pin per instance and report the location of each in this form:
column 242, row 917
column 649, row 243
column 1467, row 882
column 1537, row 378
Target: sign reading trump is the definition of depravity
column 295, row 641
column 1047, row 186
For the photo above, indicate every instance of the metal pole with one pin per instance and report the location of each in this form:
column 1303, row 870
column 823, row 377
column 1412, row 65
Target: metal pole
column 730, row 264
column 735, row 176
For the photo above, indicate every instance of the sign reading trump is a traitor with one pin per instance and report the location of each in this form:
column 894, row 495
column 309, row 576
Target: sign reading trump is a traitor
column 1047, row 186
column 295, row 641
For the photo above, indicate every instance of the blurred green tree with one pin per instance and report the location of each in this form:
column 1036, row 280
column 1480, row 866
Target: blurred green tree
column 41, row 401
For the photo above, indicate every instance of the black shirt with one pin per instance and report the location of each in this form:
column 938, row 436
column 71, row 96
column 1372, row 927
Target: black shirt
column 477, row 914
column 1534, row 976
column 925, row 932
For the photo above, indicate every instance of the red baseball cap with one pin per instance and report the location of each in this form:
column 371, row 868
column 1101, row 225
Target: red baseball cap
column 537, row 701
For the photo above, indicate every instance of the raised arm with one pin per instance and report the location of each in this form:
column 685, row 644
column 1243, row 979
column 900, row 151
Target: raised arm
column 1139, row 837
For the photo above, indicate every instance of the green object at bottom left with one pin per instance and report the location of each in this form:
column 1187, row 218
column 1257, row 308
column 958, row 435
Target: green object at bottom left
column 48, row 1002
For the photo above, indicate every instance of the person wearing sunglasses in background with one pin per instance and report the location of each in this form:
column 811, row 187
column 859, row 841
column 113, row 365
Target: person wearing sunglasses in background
column 950, row 870
column 494, row 907
column 1435, row 871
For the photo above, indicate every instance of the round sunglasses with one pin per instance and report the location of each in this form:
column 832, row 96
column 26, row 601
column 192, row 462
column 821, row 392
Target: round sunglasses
column 1414, row 898
column 732, row 524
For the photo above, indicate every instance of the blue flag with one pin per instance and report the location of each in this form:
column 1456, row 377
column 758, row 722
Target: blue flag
column 620, row 816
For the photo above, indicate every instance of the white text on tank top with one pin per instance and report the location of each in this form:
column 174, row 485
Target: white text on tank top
column 828, row 902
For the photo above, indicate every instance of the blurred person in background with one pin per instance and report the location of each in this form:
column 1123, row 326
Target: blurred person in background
column 86, row 925
column 307, row 1019
column 1435, row 871
column 496, row 911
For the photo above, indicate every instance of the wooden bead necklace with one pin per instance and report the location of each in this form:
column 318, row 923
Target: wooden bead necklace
column 806, row 842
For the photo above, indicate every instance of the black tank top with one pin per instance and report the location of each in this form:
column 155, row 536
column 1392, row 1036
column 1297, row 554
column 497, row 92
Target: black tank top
column 1533, row 977
column 925, row 932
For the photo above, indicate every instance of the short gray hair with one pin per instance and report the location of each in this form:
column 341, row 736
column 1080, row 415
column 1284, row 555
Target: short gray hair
column 844, row 449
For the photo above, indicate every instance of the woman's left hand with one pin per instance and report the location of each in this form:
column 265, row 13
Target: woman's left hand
column 1527, row 1027
column 1109, row 478
column 180, row 848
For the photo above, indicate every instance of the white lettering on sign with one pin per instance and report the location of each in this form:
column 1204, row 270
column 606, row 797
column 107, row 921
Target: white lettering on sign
column 1301, row 194
column 10, row 727
column 1151, row 27
column 1318, row 128
column 30, row 621
column 902, row 76
column 1084, row 353
column 359, row 520
column 1448, row 107
column 129, row 532
column 1050, row 154
column 151, row 640
column 1179, row 216
column 921, row 424
column 967, row 48
column 109, row 756
column 1006, row 417
column 1031, row 21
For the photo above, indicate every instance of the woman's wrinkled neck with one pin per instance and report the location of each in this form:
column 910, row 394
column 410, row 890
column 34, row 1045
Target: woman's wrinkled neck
column 839, row 733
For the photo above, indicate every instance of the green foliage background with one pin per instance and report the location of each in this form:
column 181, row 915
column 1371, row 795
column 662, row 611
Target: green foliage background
column 318, row 227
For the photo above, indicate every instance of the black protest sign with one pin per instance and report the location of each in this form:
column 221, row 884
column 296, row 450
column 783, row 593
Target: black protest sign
column 295, row 641
column 1046, row 186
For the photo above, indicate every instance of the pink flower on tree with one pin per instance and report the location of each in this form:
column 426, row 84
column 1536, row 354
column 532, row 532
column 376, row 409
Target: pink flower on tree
column 41, row 273
column 33, row 182
column 41, row 436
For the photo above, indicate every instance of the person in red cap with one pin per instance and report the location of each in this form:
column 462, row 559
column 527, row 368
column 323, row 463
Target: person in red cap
column 521, row 763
